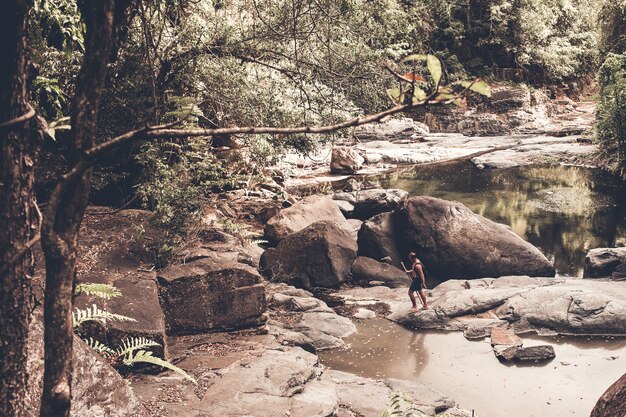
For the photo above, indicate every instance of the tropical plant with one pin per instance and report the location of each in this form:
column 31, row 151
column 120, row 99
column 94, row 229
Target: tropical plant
column 130, row 351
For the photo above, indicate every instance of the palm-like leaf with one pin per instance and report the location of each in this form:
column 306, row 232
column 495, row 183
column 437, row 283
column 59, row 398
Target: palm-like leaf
column 132, row 344
column 145, row 356
column 96, row 314
column 105, row 291
column 99, row 347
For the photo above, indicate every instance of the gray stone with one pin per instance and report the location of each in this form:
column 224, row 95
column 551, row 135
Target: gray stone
column 206, row 295
column 98, row 390
column 535, row 353
column 319, row 256
column 345, row 160
column 365, row 270
column 301, row 215
column 454, row 242
column 376, row 240
column 606, row 262
column 364, row 313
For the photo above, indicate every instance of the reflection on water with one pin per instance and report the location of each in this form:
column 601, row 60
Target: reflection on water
column 564, row 211
column 469, row 373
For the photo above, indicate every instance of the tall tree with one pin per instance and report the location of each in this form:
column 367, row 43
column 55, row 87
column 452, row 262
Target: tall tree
column 66, row 209
column 18, row 212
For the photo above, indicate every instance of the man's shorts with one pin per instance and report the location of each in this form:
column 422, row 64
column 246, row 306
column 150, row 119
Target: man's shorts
column 416, row 285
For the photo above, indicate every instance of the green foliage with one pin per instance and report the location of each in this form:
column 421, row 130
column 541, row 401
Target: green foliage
column 50, row 96
column 132, row 350
column 104, row 291
column 611, row 110
column 95, row 313
column 613, row 27
column 400, row 406
column 146, row 357
column 61, row 23
column 417, row 89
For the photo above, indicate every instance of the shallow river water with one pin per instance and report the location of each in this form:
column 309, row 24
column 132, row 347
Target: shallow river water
column 564, row 211
column 469, row 372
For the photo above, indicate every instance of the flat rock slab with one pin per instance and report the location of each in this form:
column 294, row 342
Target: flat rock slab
column 500, row 336
column 545, row 305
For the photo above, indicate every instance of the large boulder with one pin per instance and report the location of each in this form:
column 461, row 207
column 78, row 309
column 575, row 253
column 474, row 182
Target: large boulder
column 613, row 402
column 98, row 390
column 345, row 160
column 392, row 129
column 605, row 262
column 207, row 295
column 319, row 256
column 368, row 203
column 307, row 211
column 454, row 242
column 376, row 239
column 365, row 270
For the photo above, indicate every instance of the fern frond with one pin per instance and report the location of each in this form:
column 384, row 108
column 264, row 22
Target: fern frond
column 96, row 314
column 105, row 291
column 99, row 347
column 132, row 344
column 145, row 356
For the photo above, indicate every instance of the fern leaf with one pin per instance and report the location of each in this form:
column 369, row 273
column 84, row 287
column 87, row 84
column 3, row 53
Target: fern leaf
column 99, row 347
column 105, row 291
column 131, row 344
column 96, row 314
column 145, row 356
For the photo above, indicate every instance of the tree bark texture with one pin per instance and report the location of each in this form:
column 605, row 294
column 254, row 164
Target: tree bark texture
column 18, row 218
column 66, row 209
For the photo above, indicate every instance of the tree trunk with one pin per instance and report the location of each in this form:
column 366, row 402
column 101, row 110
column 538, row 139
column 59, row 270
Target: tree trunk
column 66, row 208
column 18, row 219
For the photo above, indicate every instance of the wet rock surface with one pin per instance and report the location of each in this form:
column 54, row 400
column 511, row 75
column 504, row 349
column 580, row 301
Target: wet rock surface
column 454, row 242
column 319, row 256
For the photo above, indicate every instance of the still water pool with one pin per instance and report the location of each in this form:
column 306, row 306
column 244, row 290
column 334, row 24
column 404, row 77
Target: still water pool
column 469, row 373
column 564, row 211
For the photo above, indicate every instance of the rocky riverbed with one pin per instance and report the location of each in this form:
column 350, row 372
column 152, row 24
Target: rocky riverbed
column 249, row 322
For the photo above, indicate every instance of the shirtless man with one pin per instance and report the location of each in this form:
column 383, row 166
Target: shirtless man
column 418, row 283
